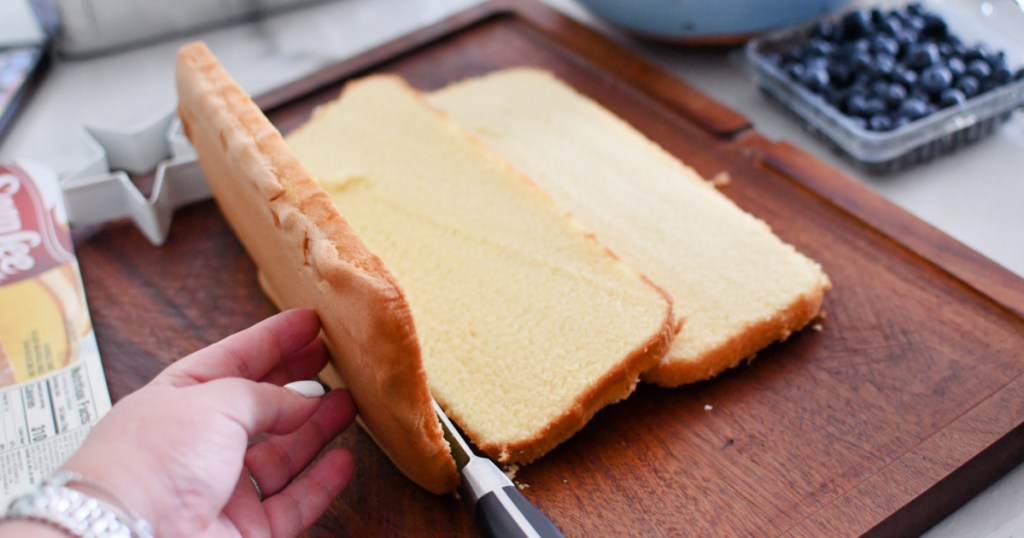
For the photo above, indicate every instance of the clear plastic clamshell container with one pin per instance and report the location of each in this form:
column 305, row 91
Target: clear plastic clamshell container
column 941, row 132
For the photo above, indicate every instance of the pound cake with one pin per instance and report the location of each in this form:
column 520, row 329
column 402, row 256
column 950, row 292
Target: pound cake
column 528, row 325
column 738, row 286
column 309, row 256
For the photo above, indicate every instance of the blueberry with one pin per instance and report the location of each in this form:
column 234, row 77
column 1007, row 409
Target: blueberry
column 879, row 87
column 883, row 44
column 976, row 53
column 883, row 65
column 859, row 122
column 819, row 47
column 861, row 84
column 935, row 79
column 914, row 108
column 794, row 55
column 923, row 56
column 956, row 66
column 857, row 46
column 894, row 94
column 816, row 62
column 825, row 30
column 906, row 77
column 934, row 26
column 856, row 105
column 795, row 71
column 856, row 24
column 979, row 69
column 873, row 107
column 861, row 61
column 899, row 121
column 880, row 122
column 834, row 96
column 968, row 85
column 890, row 25
column 839, row 73
column 916, row 22
column 816, row 79
column 906, row 38
column 1002, row 75
column 919, row 95
column 915, row 8
column 951, row 97
column 996, row 60
column 958, row 46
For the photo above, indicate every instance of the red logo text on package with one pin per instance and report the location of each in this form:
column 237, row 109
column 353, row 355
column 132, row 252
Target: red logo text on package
column 32, row 240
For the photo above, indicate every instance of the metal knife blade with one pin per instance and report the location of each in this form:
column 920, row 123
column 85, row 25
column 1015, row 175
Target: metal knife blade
column 460, row 449
column 497, row 505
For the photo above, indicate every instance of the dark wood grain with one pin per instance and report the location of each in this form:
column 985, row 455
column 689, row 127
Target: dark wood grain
column 976, row 270
column 909, row 399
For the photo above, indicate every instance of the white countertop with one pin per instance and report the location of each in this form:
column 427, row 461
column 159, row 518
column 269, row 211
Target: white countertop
column 975, row 195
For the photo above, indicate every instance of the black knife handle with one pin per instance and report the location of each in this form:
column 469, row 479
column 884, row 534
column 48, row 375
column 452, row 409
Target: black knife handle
column 503, row 514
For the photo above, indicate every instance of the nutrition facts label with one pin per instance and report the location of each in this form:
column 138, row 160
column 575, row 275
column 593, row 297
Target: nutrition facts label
column 44, row 421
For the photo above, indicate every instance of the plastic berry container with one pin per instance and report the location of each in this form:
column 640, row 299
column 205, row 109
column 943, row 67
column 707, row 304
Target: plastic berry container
column 940, row 132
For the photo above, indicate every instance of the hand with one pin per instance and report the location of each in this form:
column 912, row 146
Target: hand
column 174, row 450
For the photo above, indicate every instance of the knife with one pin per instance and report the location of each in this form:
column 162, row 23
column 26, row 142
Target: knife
column 498, row 507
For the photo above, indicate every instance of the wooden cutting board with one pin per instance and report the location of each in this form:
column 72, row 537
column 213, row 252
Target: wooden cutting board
column 907, row 402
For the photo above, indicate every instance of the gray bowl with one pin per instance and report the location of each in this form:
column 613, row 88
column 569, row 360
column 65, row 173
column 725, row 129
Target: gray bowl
column 707, row 21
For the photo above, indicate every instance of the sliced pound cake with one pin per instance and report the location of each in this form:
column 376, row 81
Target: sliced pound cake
column 309, row 256
column 738, row 286
column 528, row 326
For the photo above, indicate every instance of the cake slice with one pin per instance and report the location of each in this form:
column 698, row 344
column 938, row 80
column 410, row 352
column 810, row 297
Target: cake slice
column 528, row 325
column 738, row 286
column 309, row 256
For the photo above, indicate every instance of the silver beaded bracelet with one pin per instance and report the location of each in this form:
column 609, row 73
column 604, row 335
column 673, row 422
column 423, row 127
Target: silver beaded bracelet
column 76, row 513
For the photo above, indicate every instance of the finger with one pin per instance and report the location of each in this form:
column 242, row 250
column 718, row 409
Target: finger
column 277, row 460
column 257, row 407
column 308, row 496
column 303, row 364
column 245, row 509
column 251, row 353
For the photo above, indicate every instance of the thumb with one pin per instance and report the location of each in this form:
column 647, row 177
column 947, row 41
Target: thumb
column 260, row 407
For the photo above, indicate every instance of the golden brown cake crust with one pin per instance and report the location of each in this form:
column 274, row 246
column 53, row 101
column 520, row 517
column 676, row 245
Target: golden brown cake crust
column 742, row 346
column 310, row 257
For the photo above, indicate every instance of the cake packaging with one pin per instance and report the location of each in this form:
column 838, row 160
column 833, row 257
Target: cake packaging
column 52, row 386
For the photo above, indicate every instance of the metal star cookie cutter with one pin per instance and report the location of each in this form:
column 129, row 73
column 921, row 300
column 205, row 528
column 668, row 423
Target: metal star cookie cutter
column 101, row 190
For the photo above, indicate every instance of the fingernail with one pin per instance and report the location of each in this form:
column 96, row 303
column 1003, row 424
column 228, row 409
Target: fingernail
column 309, row 389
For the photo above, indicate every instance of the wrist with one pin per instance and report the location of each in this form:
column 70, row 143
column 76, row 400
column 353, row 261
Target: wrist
column 130, row 499
column 75, row 513
column 97, row 491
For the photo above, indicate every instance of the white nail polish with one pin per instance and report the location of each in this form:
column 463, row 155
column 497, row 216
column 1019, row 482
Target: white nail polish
column 309, row 389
